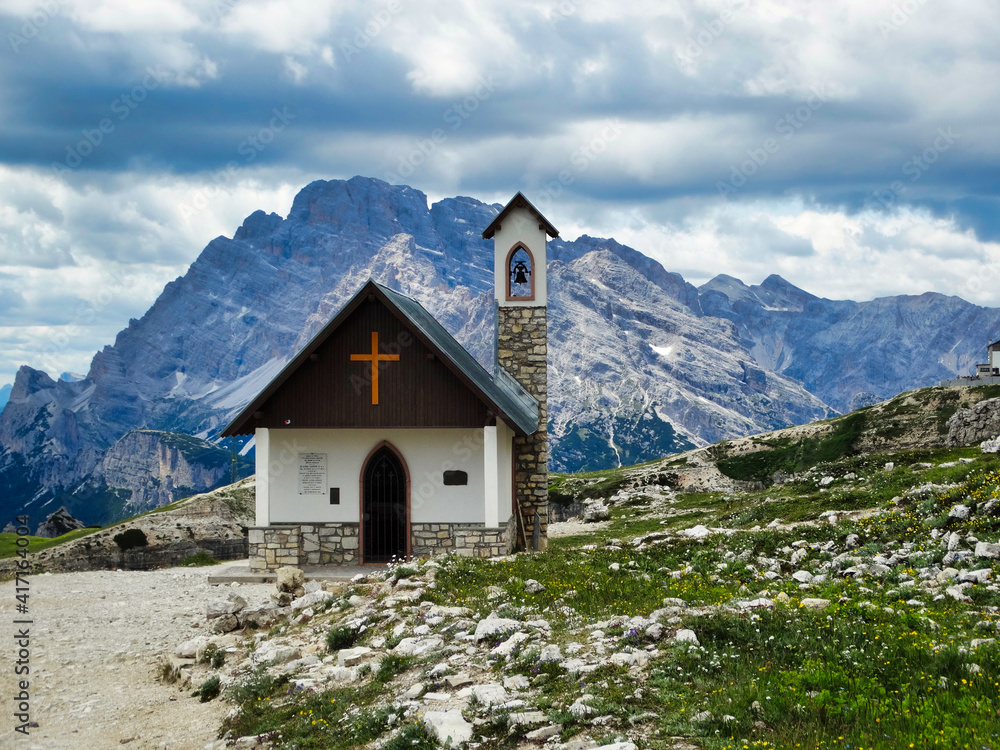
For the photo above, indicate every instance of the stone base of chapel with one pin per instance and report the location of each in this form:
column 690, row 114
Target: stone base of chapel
column 272, row 547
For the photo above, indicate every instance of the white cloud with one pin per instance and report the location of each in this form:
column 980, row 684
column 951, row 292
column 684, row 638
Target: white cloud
column 128, row 16
column 128, row 236
column 904, row 252
column 283, row 26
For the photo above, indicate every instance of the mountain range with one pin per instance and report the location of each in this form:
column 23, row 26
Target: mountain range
column 641, row 362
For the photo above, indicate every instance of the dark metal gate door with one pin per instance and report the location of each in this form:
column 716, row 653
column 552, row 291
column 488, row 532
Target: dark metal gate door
column 384, row 508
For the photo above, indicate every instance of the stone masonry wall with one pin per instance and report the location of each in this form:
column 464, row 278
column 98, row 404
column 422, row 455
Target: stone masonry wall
column 522, row 350
column 274, row 546
column 339, row 543
column 303, row 544
column 471, row 540
column 330, row 543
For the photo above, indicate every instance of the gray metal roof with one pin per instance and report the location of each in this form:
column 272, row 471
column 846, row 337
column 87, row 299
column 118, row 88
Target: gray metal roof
column 504, row 393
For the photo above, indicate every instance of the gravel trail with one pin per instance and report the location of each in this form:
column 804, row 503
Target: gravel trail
column 96, row 641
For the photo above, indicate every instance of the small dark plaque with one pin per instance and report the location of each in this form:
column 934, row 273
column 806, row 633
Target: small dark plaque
column 335, row 496
column 452, row 478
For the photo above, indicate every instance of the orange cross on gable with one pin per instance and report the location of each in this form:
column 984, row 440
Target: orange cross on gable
column 375, row 358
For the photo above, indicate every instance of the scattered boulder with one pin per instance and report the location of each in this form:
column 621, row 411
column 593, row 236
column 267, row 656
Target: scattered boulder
column 417, row 645
column 350, row 657
column 551, row 652
column 493, row 624
column 490, row 694
column 990, row 446
column 959, row 512
column 232, row 604
column 579, row 708
column 225, row 624
column 311, row 599
column 595, row 511
column 696, row 532
column 686, row 636
column 192, row 648
column 275, row 653
column 815, row 603
column 458, row 681
column 448, row 726
column 289, row 585
column 57, row 524
column 988, row 550
column 507, row 648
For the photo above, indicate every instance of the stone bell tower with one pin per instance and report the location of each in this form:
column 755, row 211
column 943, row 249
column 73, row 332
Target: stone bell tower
column 519, row 234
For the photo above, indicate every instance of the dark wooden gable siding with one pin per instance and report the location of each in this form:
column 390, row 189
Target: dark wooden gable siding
column 330, row 390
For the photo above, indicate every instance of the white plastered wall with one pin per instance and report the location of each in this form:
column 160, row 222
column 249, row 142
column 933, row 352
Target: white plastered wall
column 428, row 453
column 261, row 446
column 520, row 225
column 498, row 456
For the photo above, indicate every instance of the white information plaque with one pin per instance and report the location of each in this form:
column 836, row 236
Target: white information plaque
column 312, row 474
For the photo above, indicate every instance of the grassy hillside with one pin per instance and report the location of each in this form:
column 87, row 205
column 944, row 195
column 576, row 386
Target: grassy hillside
column 8, row 541
column 833, row 586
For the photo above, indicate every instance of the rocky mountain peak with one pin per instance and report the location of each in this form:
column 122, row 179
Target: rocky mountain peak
column 28, row 382
column 256, row 225
column 775, row 291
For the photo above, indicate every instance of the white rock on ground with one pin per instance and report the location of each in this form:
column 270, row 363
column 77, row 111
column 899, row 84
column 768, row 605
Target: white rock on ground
column 230, row 605
column 350, row 657
column 987, row 550
column 696, row 532
column 550, row 652
column 815, row 603
column 961, row 512
column 415, row 646
column 490, row 694
column 507, row 648
column 686, row 636
column 448, row 727
column 492, row 624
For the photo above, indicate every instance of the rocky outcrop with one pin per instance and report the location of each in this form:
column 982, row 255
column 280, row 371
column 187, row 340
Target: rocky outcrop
column 976, row 424
column 57, row 524
column 214, row 523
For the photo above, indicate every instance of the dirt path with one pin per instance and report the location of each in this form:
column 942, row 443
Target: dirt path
column 96, row 640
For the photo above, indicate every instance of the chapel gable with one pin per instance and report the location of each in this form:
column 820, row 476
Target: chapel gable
column 369, row 368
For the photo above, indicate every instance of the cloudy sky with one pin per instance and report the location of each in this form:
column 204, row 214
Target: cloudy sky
column 851, row 146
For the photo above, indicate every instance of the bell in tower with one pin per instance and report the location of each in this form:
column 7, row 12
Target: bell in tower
column 519, row 275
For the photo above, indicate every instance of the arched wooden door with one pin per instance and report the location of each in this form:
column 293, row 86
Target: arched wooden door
column 384, row 500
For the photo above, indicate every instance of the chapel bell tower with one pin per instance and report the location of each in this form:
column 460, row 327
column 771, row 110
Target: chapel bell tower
column 519, row 234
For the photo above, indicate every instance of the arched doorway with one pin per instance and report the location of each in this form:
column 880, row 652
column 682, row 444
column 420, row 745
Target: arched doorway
column 384, row 506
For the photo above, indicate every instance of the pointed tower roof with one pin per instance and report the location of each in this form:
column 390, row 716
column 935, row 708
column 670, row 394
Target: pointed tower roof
column 519, row 201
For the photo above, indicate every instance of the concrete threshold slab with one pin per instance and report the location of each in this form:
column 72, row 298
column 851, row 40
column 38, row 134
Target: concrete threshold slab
column 240, row 573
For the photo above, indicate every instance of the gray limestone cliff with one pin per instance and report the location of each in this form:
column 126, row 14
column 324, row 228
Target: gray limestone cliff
column 159, row 467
